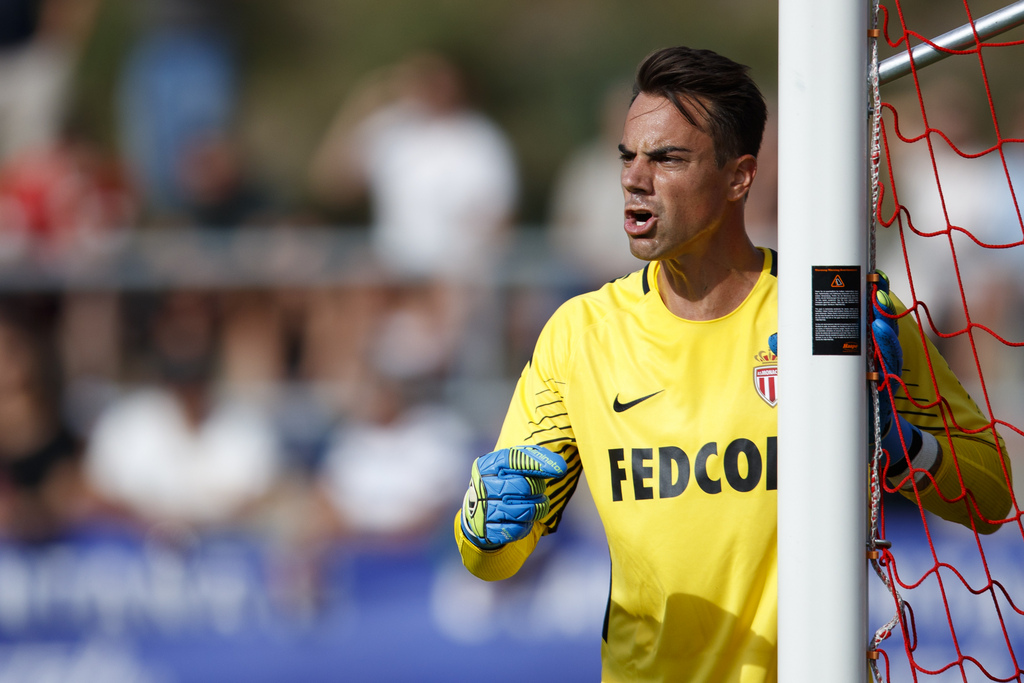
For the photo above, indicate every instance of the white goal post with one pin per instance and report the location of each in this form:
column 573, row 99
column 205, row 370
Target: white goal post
column 823, row 487
column 823, row 228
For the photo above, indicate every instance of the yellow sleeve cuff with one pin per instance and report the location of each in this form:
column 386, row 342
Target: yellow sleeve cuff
column 494, row 565
column 979, row 465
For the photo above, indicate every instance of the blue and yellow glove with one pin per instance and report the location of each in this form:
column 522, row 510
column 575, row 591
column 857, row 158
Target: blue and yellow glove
column 507, row 494
column 921, row 447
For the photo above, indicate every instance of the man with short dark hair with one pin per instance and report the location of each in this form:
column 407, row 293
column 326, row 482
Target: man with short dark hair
column 661, row 385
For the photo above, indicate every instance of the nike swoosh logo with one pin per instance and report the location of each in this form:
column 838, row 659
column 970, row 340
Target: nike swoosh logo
column 619, row 407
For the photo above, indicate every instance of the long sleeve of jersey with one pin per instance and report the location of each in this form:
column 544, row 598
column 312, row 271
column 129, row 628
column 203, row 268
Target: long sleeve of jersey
column 537, row 416
column 973, row 482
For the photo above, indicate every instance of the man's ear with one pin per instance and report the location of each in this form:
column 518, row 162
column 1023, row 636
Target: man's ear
column 744, row 169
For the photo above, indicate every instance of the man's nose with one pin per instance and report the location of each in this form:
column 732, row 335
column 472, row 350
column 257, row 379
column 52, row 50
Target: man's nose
column 636, row 178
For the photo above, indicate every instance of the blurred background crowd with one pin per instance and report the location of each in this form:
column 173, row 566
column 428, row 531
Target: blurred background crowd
column 268, row 271
column 221, row 309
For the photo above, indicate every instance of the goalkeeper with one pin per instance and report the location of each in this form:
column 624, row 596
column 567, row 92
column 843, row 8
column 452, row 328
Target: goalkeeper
column 646, row 384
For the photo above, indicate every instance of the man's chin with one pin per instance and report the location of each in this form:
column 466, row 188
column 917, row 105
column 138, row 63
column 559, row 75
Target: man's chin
column 643, row 248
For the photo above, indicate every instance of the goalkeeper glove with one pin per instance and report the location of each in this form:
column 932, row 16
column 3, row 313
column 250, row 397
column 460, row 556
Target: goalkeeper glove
column 507, row 494
column 922, row 449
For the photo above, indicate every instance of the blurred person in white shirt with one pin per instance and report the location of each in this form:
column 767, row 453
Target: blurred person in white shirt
column 442, row 184
column 586, row 206
column 177, row 451
column 391, row 467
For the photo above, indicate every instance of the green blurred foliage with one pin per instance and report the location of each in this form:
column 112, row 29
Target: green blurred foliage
column 540, row 67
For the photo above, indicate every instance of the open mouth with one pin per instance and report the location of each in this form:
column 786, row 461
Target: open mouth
column 637, row 220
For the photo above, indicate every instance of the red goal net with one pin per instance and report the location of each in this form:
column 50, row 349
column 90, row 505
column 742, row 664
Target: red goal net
column 948, row 167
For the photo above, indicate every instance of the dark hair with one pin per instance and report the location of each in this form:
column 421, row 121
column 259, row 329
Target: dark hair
column 732, row 106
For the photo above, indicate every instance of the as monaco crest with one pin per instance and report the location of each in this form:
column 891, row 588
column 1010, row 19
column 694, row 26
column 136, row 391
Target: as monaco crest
column 764, row 382
column 765, row 376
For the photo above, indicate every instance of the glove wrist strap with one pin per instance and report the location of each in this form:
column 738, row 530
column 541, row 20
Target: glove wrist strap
column 923, row 452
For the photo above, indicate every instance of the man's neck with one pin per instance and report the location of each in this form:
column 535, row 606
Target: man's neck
column 712, row 284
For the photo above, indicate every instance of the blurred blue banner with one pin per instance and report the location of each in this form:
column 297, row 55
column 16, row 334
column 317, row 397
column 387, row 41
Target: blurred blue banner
column 115, row 608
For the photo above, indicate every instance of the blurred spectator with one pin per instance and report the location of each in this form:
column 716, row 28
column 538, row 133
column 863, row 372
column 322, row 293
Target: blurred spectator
column 954, row 197
column 337, row 341
column 587, row 204
column 217, row 190
column 179, row 451
column 252, row 339
column 762, row 212
column 41, row 495
column 65, row 201
column 440, row 176
column 1011, row 206
column 939, row 188
column 89, row 339
column 393, row 470
column 441, row 180
column 177, row 104
column 39, row 41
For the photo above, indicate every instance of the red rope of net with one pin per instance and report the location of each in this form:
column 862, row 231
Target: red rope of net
column 951, row 238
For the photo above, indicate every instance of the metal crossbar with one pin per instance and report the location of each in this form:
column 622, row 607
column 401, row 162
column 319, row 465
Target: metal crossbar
column 961, row 38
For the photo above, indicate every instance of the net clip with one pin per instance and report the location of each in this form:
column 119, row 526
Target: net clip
column 873, row 553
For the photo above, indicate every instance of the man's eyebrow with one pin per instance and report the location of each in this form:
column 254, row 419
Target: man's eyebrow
column 659, row 152
column 668, row 149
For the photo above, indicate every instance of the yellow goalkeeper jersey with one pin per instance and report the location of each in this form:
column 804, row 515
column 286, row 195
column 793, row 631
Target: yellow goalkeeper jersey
column 674, row 422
